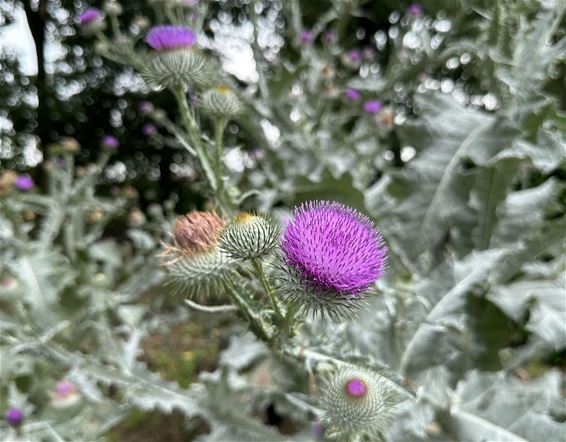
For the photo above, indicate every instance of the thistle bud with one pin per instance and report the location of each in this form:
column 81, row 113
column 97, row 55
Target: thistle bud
column 174, row 59
column 91, row 21
column 356, row 401
column 14, row 417
column 194, row 262
column 64, row 395
column 249, row 236
column 222, row 102
column 113, row 8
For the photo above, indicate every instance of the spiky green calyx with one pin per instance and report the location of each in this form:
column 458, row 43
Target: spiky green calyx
column 181, row 66
column 221, row 101
column 356, row 402
column 249, row 236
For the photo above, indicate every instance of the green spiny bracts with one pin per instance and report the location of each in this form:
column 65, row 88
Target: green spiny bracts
column 249, row 236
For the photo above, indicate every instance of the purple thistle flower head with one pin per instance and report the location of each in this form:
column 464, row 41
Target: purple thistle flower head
column 329, row 37
column 88, row 16
column 14, row 416
column 356, row 388
column 24, row 182
column 165, row 37
column 65, row 388
column 110, row 142
column 145, row 107
column 372, row 106
column 334, row 248
column 415, row 9
column 352, row 94
column 354, row 56
column 149, row 129
column 306, row 37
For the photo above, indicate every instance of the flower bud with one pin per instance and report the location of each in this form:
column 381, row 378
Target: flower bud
column 14, row 417
column 64, row 395
column 249, row 236
column 356, row 401
column 222, row 102
column 113, row 8
column 194, row 262
column 91, row 21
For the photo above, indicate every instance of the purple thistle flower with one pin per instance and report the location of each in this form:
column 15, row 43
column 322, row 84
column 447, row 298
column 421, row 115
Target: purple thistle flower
column 334, row 248
column 24, row 182
column 65, row 388
column 149, row 129
column 164, row 37
column 14, row 416
column 329, row 36
column 145, row 107
column 372, row 106
column 110, row 142
column 352, row 94
column 306, row 37
column 356, row 388
column 89, row 15
column 354, row 56
column 415, row 9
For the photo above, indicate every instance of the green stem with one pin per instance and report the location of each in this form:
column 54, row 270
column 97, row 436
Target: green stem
column 268, row 289
column 256, row 324
column 219, row 126
column 194, row 135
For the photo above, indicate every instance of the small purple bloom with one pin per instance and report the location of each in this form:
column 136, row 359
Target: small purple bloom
column 356, row 388
column 14, row 417
column 354, row 56
column 372, row 106
column 149, row 129
column 145, row 107
column 306, row 37
column 415, row 9
column 110, row 142
column 24, row 182
column 329, row 37
column 334, row 248
column 352, row 94
column 88, row 16
column 65, row 388
column 369, row 52
column 164, row 37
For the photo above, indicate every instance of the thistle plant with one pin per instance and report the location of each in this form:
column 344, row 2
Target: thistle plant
column 375, row 256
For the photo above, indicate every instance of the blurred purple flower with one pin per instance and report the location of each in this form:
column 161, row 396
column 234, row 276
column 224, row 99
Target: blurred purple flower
column 65, row 388
column 415, row 9
column 110, row 142
column 89, row 15
column 334, row 247
column 356, row 388
column 149, row 129
column 354, row 56
column 369, row 52
column 24, row 182
column 329, row 37
column 306, row 37
column 372, row 106
column 14, row 416
column 145, row 107
column 164, row 37
column 352, row 94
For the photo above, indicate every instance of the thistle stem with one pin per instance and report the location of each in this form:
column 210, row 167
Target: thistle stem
column 219, row 126
column 268, row 289
column 256, row 324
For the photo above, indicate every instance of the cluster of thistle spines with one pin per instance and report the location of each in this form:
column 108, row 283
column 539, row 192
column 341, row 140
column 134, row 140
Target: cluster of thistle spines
column 356, row 411
column 249, row 236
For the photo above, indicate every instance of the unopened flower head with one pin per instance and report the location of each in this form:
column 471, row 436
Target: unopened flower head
column 352, row 94
column 110, row 142
column 14, row 416
column 336, row 254
column 249, row 236
column 372, row 106
column 23, row 182
column 306, row 37
column 221, row 101
column 89, row 16
column 165, row 37
column 356, row 401
column 196, row 266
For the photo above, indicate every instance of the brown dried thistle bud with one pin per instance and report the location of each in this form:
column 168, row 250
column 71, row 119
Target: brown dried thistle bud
column 197, row 232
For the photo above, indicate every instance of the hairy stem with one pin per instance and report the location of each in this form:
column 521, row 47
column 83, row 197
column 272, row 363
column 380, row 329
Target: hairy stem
column 268, row 289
